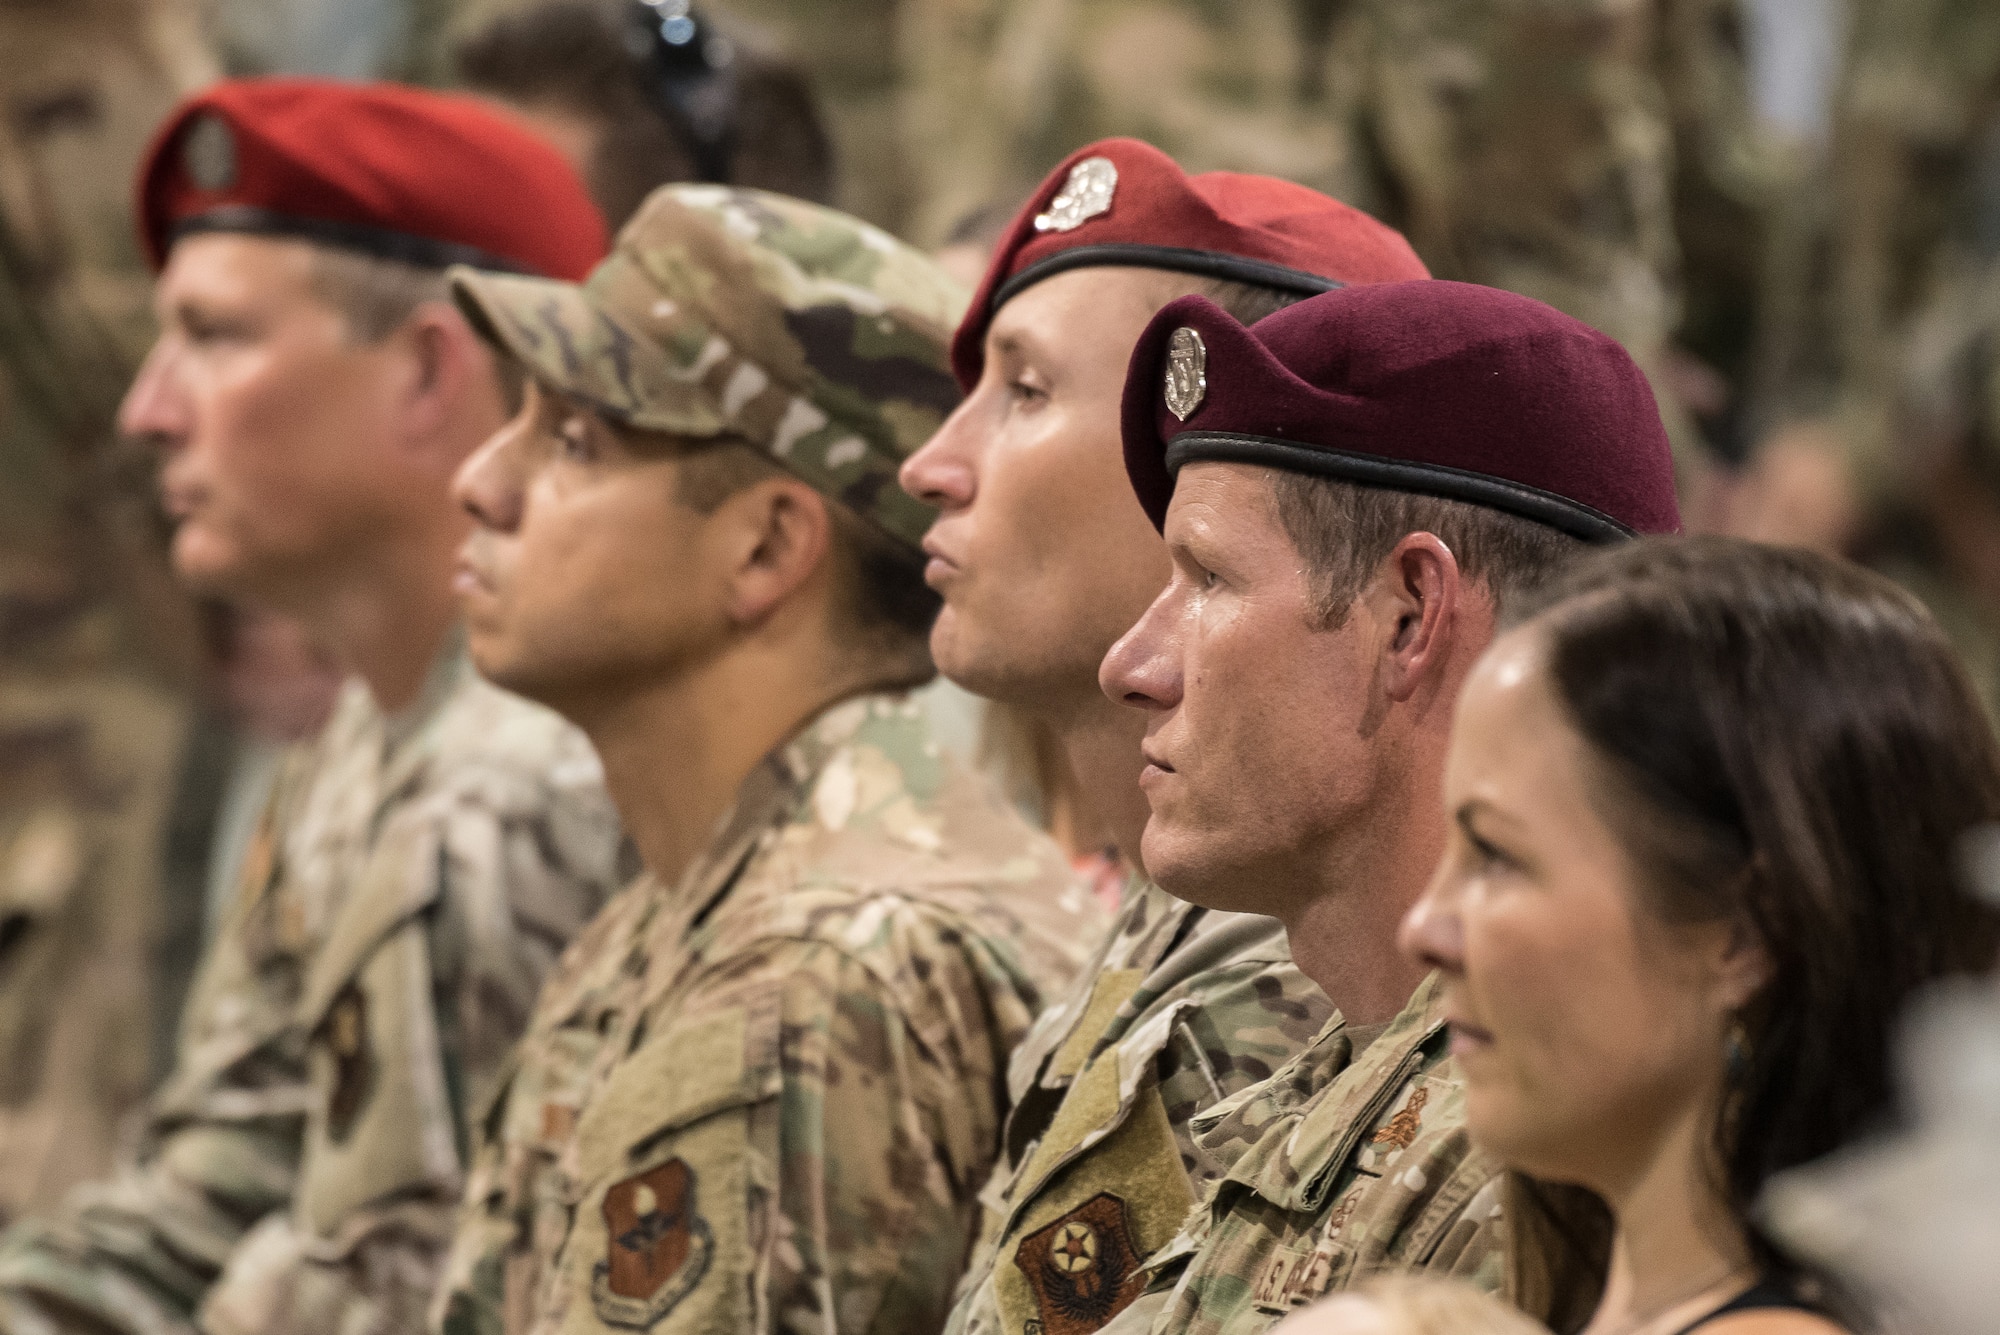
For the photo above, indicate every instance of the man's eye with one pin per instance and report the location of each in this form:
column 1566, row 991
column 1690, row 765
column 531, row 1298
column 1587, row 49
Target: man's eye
column 573, row 436
column 1489, row 855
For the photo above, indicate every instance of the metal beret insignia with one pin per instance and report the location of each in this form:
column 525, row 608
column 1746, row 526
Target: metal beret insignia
column 1085, row 195
column 1187, row 372
column 208, row 151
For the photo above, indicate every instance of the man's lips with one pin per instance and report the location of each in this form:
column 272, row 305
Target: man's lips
column 1467, row 1037
column 1156, row 768
column 941, row 566
column 469, row 579
column 180, row 502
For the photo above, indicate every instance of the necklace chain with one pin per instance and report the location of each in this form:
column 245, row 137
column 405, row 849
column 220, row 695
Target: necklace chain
column 1689, row 1294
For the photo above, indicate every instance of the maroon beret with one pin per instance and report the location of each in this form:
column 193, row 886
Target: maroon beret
column 432, row 179
column 1447, row 389
column 1123, row 202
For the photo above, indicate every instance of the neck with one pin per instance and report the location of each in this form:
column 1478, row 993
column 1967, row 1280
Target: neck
column 1101, row 741
column 1344, row 895
column 1676, row 1253
column 388, row 620
column 1342, row 926
column 677, row 749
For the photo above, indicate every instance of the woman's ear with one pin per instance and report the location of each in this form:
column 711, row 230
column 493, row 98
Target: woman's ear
column 1745, row 967
column 781, row 533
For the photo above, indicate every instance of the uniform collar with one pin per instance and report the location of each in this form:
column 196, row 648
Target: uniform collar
column 792, row 776
column 1295, row 1160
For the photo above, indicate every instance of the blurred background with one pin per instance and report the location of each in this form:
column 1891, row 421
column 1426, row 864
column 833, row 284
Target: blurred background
column 1788, row 209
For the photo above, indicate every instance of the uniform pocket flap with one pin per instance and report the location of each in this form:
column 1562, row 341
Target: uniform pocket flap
column 680, row 1075
column 401, row 878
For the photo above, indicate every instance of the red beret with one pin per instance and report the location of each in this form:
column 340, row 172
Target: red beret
column 1120, row 201
column 432, row 179
column 1447, row 389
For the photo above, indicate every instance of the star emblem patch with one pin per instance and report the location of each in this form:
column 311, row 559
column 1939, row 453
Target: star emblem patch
column 1083, row 1268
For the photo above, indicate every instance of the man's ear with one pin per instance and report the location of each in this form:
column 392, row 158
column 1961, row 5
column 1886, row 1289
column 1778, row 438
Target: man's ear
column 780, row 534
column 452, row 395
column 1415, row 598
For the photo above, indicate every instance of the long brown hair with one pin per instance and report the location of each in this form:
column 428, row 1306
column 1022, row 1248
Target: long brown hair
column 1789, row 742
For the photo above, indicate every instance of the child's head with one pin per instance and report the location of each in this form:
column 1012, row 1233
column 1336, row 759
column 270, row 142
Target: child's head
column 1408, row 1305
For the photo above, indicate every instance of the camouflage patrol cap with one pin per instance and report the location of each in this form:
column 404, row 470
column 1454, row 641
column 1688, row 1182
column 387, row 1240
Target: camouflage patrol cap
column 724, row 312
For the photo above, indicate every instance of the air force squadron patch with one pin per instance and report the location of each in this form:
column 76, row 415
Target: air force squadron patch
column 1083, row 1268
column 658, row 1247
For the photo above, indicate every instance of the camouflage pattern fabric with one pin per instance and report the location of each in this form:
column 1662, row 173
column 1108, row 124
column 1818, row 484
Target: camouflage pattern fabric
column 764, row 1098
column 1180, row 1008
column 88, row 745
column 92, row 735
column 1344, row 1166
column 411, row 882
column 806, row 333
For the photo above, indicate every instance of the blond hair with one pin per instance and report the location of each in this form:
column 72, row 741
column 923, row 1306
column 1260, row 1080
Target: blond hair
column 1411, row 1305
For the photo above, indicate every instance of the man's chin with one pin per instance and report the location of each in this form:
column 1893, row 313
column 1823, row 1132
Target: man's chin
column 206, row 566
column 1183, row 864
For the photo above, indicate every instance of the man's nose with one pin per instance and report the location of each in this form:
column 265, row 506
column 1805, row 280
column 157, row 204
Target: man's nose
column 489, row 483
column 1143, row 669
column 155, row 408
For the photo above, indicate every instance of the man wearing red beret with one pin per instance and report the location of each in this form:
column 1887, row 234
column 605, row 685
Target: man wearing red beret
column 1349, row 490
column 423, row 861
column 1044, row 559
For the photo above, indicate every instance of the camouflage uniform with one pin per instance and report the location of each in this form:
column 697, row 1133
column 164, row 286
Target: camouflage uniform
column 764, row 1098
column 1344, row 1166
column 1180, row 1008
column 412, row 880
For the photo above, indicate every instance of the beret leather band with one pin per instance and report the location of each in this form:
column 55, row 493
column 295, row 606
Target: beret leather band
column 1372, row 470
column 1179, row 259
column 379, row 242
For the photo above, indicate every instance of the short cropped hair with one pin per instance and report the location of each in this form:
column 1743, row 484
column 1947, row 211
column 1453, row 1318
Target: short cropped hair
column 572, row 54
column 376, row 297
column 883, row 609
column 1344, row 532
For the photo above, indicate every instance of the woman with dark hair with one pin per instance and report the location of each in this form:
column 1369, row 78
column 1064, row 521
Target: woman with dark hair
column 1705, row 798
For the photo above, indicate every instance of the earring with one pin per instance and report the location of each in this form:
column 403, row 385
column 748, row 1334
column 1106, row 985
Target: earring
column 1736, row 1049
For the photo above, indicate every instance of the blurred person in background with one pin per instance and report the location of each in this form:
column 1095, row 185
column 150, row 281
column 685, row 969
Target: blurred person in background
column 97, row 646
column 1704, row 800
column 639, row 95
column 428, row 855
column 1043, row 558
column 1873, row 401
column 765, row 1089
column 1351, row 490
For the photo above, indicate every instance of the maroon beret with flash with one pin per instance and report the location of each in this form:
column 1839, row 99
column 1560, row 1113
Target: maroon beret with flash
column 1123, row 202
column 431, row 179
column 1446, row 389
